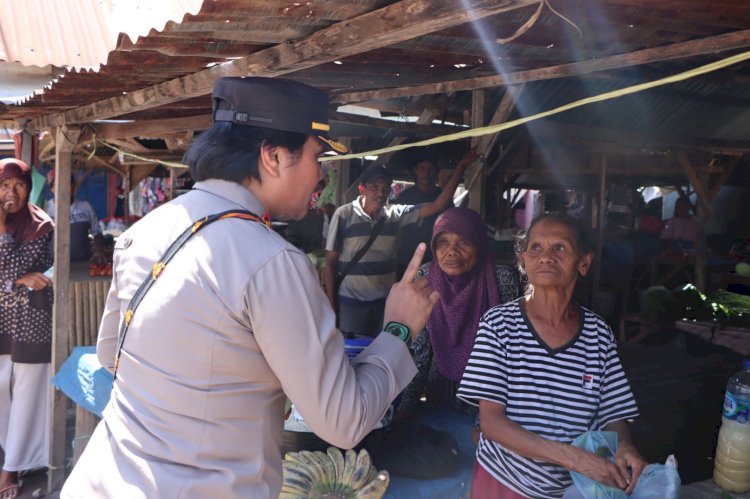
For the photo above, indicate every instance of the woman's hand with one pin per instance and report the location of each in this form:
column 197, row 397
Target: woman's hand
column 630, row 462
column 34, row 280
column 602, row 470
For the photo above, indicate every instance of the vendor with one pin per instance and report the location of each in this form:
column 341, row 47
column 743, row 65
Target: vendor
column 83, row 222
column 683, row 226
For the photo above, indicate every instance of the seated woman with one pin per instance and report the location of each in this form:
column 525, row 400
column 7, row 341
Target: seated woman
column 543, row 371
column 469, row 284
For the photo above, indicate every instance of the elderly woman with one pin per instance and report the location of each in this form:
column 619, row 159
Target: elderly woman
column 25, row 326
column 469, row 284
column 543, row 371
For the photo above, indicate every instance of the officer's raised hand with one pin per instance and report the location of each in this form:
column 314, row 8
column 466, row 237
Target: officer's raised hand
column 409, row 302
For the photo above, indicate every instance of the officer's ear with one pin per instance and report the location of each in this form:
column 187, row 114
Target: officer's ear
column 268, row 160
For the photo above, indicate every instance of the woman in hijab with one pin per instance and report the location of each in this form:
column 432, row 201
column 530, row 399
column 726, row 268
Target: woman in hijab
column 469, row 284
column 25, row 326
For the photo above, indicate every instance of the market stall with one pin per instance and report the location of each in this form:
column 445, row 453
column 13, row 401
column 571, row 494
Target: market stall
column 87, row 295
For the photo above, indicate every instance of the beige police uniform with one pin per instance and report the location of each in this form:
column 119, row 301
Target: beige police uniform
column 236, row 320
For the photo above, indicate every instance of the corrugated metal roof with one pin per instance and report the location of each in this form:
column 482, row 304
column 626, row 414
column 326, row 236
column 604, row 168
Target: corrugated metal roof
column 79, row 34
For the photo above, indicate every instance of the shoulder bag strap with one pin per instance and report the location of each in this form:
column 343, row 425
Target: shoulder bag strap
column 359, row 254
column 159, row 266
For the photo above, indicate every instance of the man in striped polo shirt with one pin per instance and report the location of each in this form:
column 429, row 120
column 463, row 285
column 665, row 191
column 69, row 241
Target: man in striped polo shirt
column 362, row 292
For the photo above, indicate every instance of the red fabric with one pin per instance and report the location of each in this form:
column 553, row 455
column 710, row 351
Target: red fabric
column 651, row 225
column 30, row 222
column 484, row 486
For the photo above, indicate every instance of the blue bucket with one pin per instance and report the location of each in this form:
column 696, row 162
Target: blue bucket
column 354, row 345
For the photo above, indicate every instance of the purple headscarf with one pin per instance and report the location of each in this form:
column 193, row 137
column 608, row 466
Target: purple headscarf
column 452, row 326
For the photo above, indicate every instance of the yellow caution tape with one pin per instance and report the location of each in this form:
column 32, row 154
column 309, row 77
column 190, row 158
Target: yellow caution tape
column 478, row 132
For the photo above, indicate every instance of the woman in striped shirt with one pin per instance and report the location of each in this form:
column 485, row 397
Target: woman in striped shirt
column 543, row 371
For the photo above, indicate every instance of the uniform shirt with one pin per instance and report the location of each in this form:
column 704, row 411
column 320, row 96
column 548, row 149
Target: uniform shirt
column 236, row 320
column 558, row 394
column 350, row 228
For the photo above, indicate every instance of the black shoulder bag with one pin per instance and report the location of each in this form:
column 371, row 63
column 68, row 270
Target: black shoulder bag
column 357, row 257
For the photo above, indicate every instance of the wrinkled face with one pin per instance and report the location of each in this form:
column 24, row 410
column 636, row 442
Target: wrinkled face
column 14, row 193
column 425, row 173
column 551, row 257
column 302, row 172
column 376, row 193
column 455, row 255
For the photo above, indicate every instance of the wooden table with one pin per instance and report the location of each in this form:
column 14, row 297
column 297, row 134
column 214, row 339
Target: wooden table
column 736, row 338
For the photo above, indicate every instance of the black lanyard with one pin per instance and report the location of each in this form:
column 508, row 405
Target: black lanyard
column 159, row 266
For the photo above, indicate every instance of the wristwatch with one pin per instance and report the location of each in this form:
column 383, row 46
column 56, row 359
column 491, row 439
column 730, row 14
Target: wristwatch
column 400, row 331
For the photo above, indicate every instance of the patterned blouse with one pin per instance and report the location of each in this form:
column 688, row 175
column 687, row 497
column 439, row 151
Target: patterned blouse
column 439, row 389
column 25, row 315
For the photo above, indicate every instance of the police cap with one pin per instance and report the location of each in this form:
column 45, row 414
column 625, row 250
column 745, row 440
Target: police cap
column 274, row 103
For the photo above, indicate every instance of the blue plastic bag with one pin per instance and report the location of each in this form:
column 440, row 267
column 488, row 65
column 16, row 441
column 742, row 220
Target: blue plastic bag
column 657, row 481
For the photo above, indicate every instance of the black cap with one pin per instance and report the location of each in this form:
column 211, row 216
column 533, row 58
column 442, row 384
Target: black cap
column 376, row 171
column 274, row 103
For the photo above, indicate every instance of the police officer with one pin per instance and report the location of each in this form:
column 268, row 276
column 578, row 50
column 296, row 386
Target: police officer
column 236, row 319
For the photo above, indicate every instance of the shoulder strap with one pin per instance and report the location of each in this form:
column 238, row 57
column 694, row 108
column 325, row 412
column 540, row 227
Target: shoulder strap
column 359, row 254
column 159, row 266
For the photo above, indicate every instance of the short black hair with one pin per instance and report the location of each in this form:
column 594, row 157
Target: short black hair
column 228, row 151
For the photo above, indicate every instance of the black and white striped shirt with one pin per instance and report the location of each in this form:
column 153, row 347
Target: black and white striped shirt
column 556, row 393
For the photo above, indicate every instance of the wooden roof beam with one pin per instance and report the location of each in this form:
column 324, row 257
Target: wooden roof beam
column 159, row 128
column 593, row 137
column 709, row 45
column 149, row 128
column 392, row 24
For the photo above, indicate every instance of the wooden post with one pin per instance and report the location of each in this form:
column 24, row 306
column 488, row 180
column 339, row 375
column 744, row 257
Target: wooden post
column 597, row 270
column 343, row 176
column 476, row 191
column 126, row 187
column 27, row 148
column 172, row 182
column 67, row 138
column 703, row 211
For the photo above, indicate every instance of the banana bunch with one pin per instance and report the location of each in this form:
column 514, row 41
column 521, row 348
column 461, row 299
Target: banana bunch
column 332, row 475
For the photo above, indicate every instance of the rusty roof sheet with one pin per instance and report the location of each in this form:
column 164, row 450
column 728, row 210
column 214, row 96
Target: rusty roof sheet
column 79, row 34
column 224, row 30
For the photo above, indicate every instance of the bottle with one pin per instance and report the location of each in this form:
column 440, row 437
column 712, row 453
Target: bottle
column 732, row 462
